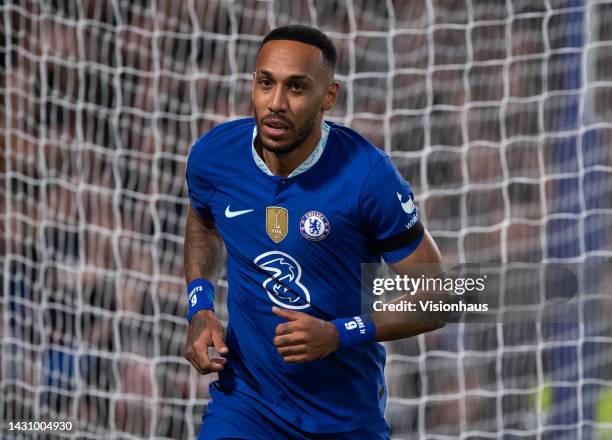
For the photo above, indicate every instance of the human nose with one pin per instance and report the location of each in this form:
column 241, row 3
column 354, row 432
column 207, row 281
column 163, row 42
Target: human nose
column 278, row 100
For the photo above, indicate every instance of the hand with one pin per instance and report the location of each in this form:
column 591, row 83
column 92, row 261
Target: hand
column 304, row 338
column 205, row 331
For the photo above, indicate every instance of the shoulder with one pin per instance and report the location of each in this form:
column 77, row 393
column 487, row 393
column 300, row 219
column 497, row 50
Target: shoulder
column 221, row 152
column 360, row 153
column 370, row 166
column 219, row 136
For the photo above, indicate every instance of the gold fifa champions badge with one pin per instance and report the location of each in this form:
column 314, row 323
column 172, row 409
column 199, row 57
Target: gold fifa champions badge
column 277, row 223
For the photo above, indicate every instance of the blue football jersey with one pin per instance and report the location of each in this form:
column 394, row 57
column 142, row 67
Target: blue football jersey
column 298, row 242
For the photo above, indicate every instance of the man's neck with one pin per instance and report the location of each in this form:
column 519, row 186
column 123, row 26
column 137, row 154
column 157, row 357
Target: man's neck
column 284, row 164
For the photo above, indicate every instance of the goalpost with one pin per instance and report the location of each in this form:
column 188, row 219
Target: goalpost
column 497, row 112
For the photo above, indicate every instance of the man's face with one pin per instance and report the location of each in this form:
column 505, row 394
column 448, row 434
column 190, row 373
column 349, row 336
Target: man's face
column 291, row 88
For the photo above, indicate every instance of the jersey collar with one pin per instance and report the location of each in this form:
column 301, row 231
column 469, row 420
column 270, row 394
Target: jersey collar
column 306, row 165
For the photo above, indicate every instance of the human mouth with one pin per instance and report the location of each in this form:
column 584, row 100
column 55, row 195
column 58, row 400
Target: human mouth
column 275, row 127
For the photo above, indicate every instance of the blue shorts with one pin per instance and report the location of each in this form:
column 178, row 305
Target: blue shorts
column 235, row 416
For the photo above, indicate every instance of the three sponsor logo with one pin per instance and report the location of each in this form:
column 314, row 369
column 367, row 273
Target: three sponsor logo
column 283, row 286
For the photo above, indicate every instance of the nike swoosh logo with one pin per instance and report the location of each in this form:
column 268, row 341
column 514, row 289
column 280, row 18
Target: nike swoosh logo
column 232, row 214
column 408, row 206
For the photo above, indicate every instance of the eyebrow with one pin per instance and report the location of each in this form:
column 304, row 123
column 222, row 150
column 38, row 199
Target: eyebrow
column 292, row 77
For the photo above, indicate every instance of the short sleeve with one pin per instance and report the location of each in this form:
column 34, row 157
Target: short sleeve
column 199, row 187
column 390, row 214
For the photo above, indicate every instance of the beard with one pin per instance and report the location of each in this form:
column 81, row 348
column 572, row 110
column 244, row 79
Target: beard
column 301, row 135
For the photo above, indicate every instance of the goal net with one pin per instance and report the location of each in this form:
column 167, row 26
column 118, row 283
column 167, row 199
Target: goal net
column 497, row 111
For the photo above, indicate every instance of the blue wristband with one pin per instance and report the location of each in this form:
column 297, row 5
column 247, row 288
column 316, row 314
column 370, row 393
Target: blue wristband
column 201, row 296
column 355, row 330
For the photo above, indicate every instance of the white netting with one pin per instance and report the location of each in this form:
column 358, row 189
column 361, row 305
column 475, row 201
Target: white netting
column 497, row 112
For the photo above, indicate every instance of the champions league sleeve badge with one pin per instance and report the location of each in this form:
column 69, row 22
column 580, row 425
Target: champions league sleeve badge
column 314, row 226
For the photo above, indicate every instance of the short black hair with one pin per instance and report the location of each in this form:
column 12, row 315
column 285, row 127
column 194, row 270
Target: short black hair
column 307, row 35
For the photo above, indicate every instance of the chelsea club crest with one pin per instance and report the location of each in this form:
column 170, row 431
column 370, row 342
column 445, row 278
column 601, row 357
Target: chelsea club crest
column 314, row 226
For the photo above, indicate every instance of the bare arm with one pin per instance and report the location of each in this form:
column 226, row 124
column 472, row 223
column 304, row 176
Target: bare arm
column 204, row 256
column 398, row 325
column 204, row 253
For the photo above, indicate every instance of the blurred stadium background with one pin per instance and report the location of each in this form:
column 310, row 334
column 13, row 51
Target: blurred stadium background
column 498, row 112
